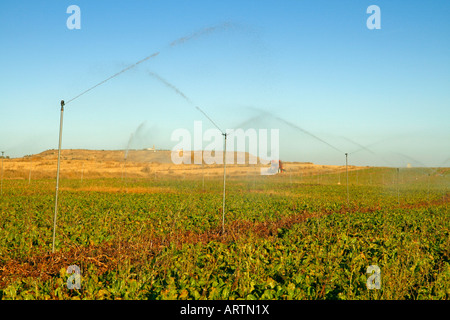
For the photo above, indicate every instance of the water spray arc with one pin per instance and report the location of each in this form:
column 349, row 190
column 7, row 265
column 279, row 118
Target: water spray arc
column 60, row 134
column 172, row 44
column 318, row 139
column 113, row 76
column 308, row 133
column 130, row 141
column 180, row 93
column 361, row 147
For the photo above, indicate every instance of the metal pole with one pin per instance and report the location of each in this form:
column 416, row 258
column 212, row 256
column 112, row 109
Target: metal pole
column 1, row 187
column 57, row 175
column 398, row 190
column 124, row 173
column 346, row 170
column 203, row 175
column 29, row 175
column 125, row 170
column 224, row 180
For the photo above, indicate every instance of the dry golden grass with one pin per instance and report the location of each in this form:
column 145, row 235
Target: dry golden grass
column 139, row 164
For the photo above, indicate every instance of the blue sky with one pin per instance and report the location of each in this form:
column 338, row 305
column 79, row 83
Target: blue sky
column 312, row 63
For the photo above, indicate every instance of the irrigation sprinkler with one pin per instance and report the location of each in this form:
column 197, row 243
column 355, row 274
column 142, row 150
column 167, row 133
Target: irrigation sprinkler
column 224, row 164
column 180, row 93
column 172, row 44
column 57, row 175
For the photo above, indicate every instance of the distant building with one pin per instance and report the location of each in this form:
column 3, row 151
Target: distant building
column 151, row 149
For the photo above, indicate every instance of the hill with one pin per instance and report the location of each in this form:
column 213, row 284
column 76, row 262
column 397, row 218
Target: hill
column 83, row 163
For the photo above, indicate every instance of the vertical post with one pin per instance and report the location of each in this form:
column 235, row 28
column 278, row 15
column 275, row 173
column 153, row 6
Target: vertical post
column 346, row 170
column 124, row 169
column 203, row 174
column 224, row 181
column 124, row 173
column 398, row 190
column 57, row 175
column 31, row 166
column 1, row 183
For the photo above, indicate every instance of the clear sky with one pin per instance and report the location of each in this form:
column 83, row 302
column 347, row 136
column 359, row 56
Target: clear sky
column 312, row 63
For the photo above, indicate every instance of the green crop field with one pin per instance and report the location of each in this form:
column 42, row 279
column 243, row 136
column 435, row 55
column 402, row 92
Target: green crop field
column 286, row 237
